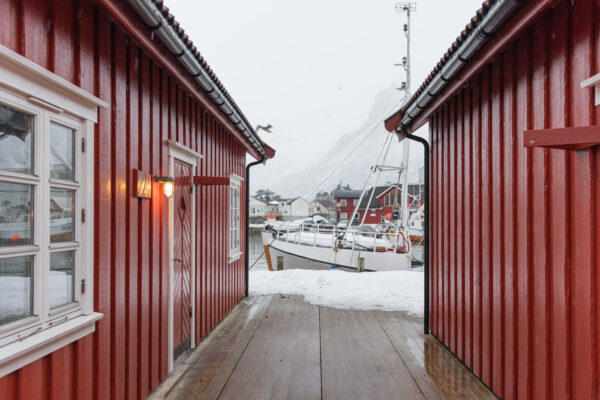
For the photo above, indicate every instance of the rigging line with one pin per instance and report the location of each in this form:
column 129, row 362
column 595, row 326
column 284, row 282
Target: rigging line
column 373, row 128
column 362, row 193
column 374, row 186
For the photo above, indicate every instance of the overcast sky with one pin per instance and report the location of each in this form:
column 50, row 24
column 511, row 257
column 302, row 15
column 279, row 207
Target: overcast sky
column 313, row 68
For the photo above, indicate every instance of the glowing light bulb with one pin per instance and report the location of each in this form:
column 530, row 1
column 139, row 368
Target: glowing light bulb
column 168, row 189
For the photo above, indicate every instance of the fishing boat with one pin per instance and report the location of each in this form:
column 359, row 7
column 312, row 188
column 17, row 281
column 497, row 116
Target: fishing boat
column 326, row 247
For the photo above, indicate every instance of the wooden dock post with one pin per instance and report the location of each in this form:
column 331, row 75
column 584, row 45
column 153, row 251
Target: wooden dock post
column 279, row 263
column 361, row 264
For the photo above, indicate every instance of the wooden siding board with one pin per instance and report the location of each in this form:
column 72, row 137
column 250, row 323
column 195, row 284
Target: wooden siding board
column 119, row 198
column 102, row 212
column 558, row 203
column 497, row 227
column 467, row 204
column 132, row 237
column 509, row 223
column 155, row 223
column 164, row 223
column 144, row 214
column 486, row 239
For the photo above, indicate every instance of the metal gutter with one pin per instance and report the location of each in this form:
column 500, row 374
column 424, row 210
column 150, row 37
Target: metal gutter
column 161, row 27
column 498, row 13
column 401, row 130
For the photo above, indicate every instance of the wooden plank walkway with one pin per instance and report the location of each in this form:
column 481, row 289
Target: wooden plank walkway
column 280, row 347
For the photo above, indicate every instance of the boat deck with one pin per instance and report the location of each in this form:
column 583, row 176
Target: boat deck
column 280, row 347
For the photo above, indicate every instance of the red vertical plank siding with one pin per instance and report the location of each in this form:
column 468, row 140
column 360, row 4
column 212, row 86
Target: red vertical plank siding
column 519, row 303
column 118, row 190
column 497, row 267
column 127, row 355
column 509, row 204
column 583, row 260
column 132, row 237
column 164, row 240
column 103, row 210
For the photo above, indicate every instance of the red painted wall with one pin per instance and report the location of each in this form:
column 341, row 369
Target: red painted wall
column 348, row 208
column 516, row 295
column 127, row 355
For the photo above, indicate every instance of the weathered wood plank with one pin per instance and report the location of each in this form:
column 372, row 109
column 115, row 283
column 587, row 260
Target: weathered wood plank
column 436, row 371
column 282, row 359
column 359, row 361
column 208, row 368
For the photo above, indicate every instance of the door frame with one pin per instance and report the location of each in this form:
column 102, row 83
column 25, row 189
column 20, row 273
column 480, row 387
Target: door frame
column 182, row 153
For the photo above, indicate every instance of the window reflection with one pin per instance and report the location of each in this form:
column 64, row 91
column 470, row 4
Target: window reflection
column 62, row 142
column 16, row 140
column 61, row 278
column 16, row 288
column 16, row 216
column 62, row 204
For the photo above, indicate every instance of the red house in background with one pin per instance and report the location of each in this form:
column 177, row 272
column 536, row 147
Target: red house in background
column 104, row 105
column 513, row 112
column 345, row 200
column 382, row 203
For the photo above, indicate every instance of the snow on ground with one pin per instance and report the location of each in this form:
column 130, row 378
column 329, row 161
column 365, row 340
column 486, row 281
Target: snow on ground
column 386, row 291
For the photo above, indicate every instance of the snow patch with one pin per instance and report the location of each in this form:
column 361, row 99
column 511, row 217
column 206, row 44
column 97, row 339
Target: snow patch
column 385, row 291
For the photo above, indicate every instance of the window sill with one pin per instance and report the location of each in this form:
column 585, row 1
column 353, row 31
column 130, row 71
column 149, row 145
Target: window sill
column 235, row 256
column 18, row 354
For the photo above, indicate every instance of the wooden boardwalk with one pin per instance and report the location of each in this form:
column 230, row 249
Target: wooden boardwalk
column 280, row 347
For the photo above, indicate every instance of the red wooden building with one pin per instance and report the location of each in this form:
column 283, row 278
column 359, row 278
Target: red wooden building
column 102, row 104
column 345, row 200
column 384, row 200
column 515, row 197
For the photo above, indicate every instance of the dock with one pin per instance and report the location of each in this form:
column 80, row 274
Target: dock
column 281, row 347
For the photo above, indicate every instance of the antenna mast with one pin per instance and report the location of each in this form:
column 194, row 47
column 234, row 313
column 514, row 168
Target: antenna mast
column 405, row 8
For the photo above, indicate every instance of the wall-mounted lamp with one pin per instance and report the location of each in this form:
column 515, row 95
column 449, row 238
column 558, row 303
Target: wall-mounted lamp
column 167, row 182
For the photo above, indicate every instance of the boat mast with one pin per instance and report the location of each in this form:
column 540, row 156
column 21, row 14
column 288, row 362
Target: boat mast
column 405, row 8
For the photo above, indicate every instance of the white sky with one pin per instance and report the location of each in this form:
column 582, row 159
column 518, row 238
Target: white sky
column 313, row 68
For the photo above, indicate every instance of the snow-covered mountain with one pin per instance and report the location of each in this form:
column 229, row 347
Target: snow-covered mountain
column 349, row 160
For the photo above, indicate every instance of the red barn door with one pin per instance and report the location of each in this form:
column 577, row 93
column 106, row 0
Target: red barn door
column 182, row 259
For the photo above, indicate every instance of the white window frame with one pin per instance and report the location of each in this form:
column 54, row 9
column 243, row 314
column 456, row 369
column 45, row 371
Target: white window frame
column 235, row 182
column 26, row 86
column 343, row 202
column 343, row 215
column 355, row 202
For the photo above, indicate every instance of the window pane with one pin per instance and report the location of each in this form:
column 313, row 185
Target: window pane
column 16, row 140
column 16, row 215
column 16, row 288
column 62, row 206
column 62, row 142
column 61, row 278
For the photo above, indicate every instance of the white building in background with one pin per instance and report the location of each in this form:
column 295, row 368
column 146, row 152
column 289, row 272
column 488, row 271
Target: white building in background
column 294, row 208
column 317, row 208
column 257, row 208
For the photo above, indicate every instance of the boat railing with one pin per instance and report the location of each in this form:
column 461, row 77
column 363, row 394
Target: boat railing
column 297, row 233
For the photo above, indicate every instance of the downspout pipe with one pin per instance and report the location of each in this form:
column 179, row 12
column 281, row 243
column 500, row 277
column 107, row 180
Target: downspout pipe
column 246, row 245
column 401, row 130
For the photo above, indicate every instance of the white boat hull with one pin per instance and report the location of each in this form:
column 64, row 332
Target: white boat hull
column 303, row 256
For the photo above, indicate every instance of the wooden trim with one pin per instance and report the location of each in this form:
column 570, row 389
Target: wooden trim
column 182, row 152
column 43, row 87
column 210, row 180
column 594, row 82
column 573, row 138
